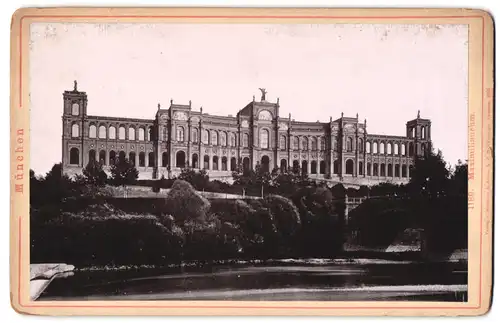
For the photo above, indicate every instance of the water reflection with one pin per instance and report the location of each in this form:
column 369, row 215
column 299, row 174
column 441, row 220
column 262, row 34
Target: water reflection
column 271, row 281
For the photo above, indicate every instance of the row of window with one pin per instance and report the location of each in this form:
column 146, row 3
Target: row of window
column 110, row 133
column 221, row 139
column 374, row 169
column 394, row 148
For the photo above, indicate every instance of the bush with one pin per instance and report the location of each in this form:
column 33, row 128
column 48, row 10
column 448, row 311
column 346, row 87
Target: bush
column 184, row 203
column 284, row 213
column 102, row 235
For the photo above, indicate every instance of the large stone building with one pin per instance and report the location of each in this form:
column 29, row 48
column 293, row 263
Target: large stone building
column 341, row 150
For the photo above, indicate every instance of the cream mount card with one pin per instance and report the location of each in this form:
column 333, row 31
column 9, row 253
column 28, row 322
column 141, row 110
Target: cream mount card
column 251, row 161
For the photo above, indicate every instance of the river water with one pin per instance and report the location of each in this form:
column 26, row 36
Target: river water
column 313, row 279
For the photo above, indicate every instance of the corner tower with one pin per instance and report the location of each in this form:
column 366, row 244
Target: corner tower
column 73, row 126
column 419, row 130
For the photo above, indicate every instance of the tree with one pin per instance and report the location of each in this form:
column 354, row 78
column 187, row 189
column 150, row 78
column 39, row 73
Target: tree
column 94, row 174
column 123, row 172
column 459, row 179
column 430, row 176
column 199, row 179
column 184, row 203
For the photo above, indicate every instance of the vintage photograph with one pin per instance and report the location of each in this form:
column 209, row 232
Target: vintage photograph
column 248, row 162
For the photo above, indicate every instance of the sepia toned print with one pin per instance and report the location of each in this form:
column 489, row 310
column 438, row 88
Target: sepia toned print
column 318, row 164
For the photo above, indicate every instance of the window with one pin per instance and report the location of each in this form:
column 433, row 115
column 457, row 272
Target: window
column 150, row 133
column 245, row 140
column 396, row 149
column 131, row 133
column 389, row 148
column 223, row 139
column 349, row 144
column 368, row 146
column 214, row 139
column 323, row 144
column 75, row 130
column 165, row 134
column 360, row 145
column 314, row 145
column 232, row 139
column 121, row 133
column 205, row 136
column 422, row 132
column 92, row 131
column 375, row 148
column 141, row 134
column 233, row 163
column 282, row 142
column 296, row 143
column 75, row 109
column 180, row 133
column 403, row 149
column 265, row 115
column 131, row 158
column 264, row 138
column 112, row 132
column 74, row 156
column 195, row 135
column 303, row 144
column 382, row 148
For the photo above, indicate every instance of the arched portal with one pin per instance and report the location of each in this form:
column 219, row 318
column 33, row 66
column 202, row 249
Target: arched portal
column 233, row 164
column 142, row 159
column 206, row 162
column 131, row 158
column 349, row 167
column 74, row 156
column 164, row 159
column 283, row 165
column 121, row 155
column 322, row 167
column 264, row 162
column 194, row 161
column 382, row 169
column 224, row 163
column 304, row 167
column 102, row 157
column 92, row 156
column 180, row 159
column 215, row 163
column 112, row 157
column 314, row 167
column 336, row 167
column 246, row 164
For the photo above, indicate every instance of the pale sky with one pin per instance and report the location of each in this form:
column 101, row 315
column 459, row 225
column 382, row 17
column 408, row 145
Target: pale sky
column 385, row 73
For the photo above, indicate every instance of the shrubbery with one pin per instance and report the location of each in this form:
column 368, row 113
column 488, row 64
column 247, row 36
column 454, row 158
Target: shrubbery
column 77, row 221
